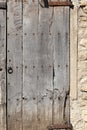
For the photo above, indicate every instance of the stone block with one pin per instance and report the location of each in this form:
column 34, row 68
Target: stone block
column 84, row 115
column 82, row 2
column 85, row 126
column 84, row 88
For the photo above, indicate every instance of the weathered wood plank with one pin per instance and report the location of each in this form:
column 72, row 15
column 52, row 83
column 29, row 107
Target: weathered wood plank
column 14, row 65
column 61, row 65
column 2, row 70
column 45, row 67
column 38, row 66
column 38, row 71
column 30, row 62
column 2, row 1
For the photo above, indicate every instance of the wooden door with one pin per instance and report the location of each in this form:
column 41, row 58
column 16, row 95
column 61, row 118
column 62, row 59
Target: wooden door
column 2, row 66
column 38, row 65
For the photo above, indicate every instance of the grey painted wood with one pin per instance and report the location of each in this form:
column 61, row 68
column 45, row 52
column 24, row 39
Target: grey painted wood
column 38, row 66
column 61, row 65
column 2, row 1
column 37, row 62
column 14, row 65
column 45, row 67
column 30, row 64
column 2, row 70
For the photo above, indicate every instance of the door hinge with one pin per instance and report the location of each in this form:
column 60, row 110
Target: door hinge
column 60, row 3
column 52, row 3
column 3, row 5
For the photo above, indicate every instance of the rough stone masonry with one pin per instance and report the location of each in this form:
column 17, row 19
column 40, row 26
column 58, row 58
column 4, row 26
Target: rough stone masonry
column 78, row 98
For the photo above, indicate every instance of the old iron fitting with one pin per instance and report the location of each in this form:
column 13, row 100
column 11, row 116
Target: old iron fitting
column 47, row 3
column 10, row 70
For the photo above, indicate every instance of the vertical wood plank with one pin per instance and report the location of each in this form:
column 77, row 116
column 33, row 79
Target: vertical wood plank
column 2, row 70
column 61, row 65
column 44, row 56
column 30, row 62
column 38, row 71
column 2, row 1
column 45, row 67
column 14, row 64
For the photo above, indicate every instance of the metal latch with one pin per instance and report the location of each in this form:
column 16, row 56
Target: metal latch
column 60, row 126
column 3, row 5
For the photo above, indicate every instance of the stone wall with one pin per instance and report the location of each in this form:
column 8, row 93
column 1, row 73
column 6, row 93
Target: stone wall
column 78, row 89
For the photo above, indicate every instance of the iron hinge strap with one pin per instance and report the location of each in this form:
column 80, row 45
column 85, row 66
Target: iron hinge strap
column 48, row 3
column 60, row 3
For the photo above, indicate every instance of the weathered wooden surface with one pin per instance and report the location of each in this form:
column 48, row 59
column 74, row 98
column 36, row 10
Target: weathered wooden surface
column 14, row 65
column 2, row 69
column 38, row 87
column 61, row 64
column 30, row 63
column 37, row 57
column 46, row 66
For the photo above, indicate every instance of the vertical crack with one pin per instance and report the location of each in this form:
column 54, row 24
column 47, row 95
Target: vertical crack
column 53, row 98
column 65, row 105
column 53, row 76
column 6, row 73
column 22, row 66
column 51, row 20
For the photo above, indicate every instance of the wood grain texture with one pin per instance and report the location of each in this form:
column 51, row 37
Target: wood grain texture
column 37, row 60
column 38, row 66
column 61, row 65
column 14, row 65
column 2, row 70
column 45, row 67
column 30, row 62
column 2, row 1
